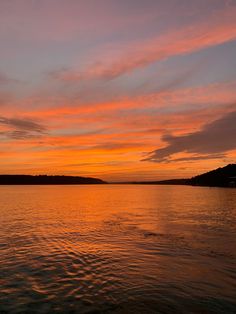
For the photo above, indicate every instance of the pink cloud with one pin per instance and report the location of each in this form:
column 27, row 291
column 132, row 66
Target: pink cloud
column 194, row 98
column 219, row 28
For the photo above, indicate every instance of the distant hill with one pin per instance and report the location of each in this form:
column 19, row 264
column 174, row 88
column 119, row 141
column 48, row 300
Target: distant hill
column 44, row 180
column 164, row 182
column 223, row 177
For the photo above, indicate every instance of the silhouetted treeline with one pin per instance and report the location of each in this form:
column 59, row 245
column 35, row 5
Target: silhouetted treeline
column 44, row 179
column 223, row 177
column 164, row 182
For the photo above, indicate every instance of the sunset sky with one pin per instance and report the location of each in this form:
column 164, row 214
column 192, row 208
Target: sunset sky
column 117, row 89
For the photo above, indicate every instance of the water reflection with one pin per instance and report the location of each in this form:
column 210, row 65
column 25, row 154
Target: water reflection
column 117, row 249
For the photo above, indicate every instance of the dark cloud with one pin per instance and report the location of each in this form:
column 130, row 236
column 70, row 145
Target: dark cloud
column 213, row 141
column 21, row 128
column 201, row 157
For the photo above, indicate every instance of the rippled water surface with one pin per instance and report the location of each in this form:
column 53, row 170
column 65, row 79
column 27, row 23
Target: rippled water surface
column 117, row 249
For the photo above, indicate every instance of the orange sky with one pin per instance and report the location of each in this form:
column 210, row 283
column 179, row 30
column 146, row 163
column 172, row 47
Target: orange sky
column 121, row 90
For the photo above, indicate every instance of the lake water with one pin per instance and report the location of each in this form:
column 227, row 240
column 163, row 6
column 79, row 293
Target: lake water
column 117, row 249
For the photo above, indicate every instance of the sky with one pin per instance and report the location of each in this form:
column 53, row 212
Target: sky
column 120, row 90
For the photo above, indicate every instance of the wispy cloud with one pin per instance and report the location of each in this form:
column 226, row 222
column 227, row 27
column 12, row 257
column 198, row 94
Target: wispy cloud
column 218, row 29
column 21, row 128
column 213, row 141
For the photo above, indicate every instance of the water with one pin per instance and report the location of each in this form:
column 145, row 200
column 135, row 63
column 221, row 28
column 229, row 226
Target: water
column 117, row 249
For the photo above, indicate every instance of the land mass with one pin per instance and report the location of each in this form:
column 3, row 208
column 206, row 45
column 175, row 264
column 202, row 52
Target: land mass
column 46, row 180
column 165, row 182
column 221, row 177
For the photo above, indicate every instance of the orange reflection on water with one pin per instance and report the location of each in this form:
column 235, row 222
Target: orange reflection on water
column 113, row 244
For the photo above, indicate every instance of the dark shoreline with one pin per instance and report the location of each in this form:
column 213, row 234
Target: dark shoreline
column 221, row 177
column 47, row 180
